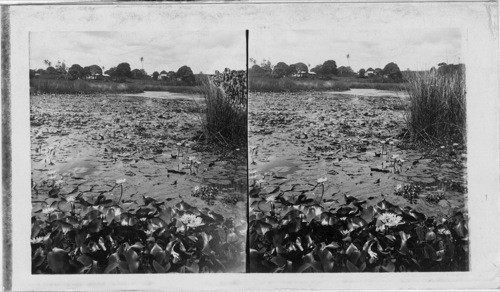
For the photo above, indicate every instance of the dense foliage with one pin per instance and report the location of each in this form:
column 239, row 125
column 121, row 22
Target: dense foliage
column 96, row 235
column 225, row 120
column 437, row 108
column 301, row 236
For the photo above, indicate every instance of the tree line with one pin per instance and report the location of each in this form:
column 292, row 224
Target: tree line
column 117, row 73
column 325, row 70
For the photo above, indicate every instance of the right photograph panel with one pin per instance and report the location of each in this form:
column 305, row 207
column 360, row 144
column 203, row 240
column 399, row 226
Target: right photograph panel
column 357, row 151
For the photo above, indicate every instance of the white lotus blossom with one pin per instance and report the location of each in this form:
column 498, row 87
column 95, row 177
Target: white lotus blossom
column 372, row 254
column 39, row 239
column 121, row 181
column 398, row 188
column 191, row 220
column 48, row 210
column 196, row 189
column 322, row 180
column 389, row 220
column 176, row 256
column 118, row 211
column 271, row 198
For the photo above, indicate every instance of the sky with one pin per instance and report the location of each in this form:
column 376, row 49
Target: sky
column 202, row 51
column 413, row 49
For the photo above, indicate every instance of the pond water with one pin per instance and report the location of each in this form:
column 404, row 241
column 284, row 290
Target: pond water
column 279, row 165
column 85, row 144
column 167, row 95
column 302, row 137
column 372, row 92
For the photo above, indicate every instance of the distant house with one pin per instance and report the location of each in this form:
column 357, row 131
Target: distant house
column 300, row 73
column 370, row 73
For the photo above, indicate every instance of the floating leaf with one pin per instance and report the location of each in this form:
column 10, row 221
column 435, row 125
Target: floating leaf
column 110, row 215
column 264, row 206
column 132, row 259
column 389, row 267
column 58, row 260
column 64, row 206
column 352, row 267
column 111, row 267
column 158, row 268
column 85, row 260
column 326, row 258
column 95, row 226
column 166, row 215
column 460, row 229
column 353, row 253
column 193, row 268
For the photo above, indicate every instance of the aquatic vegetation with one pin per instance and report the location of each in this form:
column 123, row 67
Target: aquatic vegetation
column 81, row 236
column 61, row 86
column 437, row 107
column 115, row 190
column 206, row 193
column 434, row 198
column 408, row 191
column 295, row 236
column 225, row 118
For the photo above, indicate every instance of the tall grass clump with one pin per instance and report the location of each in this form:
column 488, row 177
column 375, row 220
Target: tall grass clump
column 225, row 120
column 436, row 109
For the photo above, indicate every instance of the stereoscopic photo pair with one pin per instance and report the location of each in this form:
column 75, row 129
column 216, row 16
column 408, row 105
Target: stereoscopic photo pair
column 241, row 151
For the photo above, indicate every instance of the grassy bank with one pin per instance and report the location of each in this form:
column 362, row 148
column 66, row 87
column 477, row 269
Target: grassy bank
column 286, row 84
column 379, row 86
column 61, row 86
column 172, row 88
column 436, row 110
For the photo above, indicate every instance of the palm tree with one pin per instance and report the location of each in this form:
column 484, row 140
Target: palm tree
column 348, row 60
column 142, row 59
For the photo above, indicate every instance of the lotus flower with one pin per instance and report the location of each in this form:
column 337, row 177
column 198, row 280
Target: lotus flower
column 191, row 220
column 121, row 181
column 388, row 220
column 322, row 180
column 48, row 210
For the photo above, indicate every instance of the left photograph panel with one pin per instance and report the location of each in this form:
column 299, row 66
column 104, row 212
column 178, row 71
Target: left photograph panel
column 138, row 152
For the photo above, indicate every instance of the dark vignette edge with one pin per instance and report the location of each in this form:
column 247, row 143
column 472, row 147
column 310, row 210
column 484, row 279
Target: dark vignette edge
column 6, row 152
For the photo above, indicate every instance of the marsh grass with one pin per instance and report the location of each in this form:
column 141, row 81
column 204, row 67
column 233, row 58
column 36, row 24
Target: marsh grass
column 171, row 88
column 225, row 119
column 286, row 84
column 436, row 110
column 61, row 86
column 378, row 86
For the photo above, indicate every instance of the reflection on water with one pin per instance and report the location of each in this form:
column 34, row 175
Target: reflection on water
column 167, row 95
column 279, row 165
column 77, row 168
column 372, row 92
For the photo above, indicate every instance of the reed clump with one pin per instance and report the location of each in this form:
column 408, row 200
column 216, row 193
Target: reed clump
column 436, row 110
column 225, row 119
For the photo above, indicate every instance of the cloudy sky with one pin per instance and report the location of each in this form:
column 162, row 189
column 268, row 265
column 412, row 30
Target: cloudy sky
column 414, row 49
column 204, row 51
